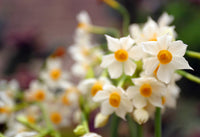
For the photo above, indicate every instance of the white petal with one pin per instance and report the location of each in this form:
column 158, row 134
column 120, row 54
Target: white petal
column 126, row 42
column 164, row 42
column 83, row 17
column 106, row 109
column 150, row 65
column 139, row 101
column 150, row 47
column 156, row 100
column 132, row 91
column 177, row 48
column 165, row 72
column 136, row 53
column 115, row 69
column 129, row 67
column 121, row 112
column 165, row 19
column 180, row 63
column 100, row 96
column 107, row 60
column 135, row 30
column 113, row 43
column 126, row 104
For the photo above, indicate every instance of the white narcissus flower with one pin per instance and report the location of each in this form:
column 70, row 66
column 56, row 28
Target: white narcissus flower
column 123, row 57
column 53, row 75
column 27, row 134
column 113, row 99
column 92, row 86
column 146, row 90
column 100, row 120
column 170, row 99
column 166, row 56
column 6, row 106
column 91, row 135
column 152, row 30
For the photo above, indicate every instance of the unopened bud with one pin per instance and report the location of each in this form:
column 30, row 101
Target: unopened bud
column 100, row 120
column 141, row 116
column 80, row 130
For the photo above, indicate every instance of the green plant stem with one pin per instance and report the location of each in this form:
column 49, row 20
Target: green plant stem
column 103, row 30
column 114, row 126
column 188, row 76
column 45, row 116
column 85, row 121
column 1, row 135
column 132, row 126
column 122, row 80
column 158, row 131
column 193, row 54
column 139, row 131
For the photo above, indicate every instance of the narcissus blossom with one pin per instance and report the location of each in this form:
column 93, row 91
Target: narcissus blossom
column 27, row 134
column 91, row 135
column 122, row 60
column 113, row 99
column 146, row 90
column 165, row 56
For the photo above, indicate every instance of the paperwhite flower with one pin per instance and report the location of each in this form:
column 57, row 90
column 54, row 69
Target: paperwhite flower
column 113, row 99
column 123, row 57
column 27, row 134
column 92, row 85
column 166, row 56
column 146, row 89
column 53, row 75
column 37, row 92
column 152, row 30
column 91, row 135
column 100, row 120
column 6, row 106
column 170, row 99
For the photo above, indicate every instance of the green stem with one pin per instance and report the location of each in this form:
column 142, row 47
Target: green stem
column 29, row 125
column 114, row 126
column 1, row 135
column 45, row 116
column 188, row 76
column 139, row 131
column 122, row 80
column 193, row 54
column 158, row 131
column 103, row 30
column 85, row 122
column 132, row 126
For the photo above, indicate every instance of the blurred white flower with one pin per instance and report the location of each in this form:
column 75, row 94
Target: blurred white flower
column 113, row 99
column 100, row 120
column 140, row 115
column 146, row 89
column 91, row 135
column 26, row 134
column 166, row 56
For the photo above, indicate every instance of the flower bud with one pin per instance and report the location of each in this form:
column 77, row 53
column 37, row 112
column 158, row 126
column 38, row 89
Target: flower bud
column 141, row 116
column 80, row 130
column 100, row 120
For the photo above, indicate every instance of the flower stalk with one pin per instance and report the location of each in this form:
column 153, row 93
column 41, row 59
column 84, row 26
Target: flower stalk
column 158, row 129
column 193, row 54
column 188, row 76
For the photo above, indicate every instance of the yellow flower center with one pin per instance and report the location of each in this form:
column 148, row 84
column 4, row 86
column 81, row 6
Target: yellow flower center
column 163, row 100
column 82, row 25
column 30, row 119
column 95, row 88
column 4, row 110
column 55, row 74
column 164, row 56
column 146, row 90
column 65, row 100
column 115, row 99
column 55, row 117
column 154, row 37
column 156, row 70
column 121, row 55
column 39, row 95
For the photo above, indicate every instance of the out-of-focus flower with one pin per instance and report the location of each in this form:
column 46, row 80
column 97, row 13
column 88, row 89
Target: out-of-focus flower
column 146, row 89
column 166, row 56
column 113, row 99
column 123, row 57
column 152, row 30
column 26, row 134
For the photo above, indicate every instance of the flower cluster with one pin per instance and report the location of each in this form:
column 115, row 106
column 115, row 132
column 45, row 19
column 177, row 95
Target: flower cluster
column 136, row 75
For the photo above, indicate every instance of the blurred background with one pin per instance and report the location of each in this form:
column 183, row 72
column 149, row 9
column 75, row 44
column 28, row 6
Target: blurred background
column 31, row 29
